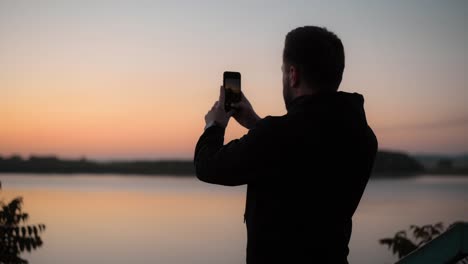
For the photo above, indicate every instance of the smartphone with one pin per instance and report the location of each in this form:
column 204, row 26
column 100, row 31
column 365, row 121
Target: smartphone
column 232, row 88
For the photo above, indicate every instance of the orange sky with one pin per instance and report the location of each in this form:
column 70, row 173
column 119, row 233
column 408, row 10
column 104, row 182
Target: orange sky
column 135, row 81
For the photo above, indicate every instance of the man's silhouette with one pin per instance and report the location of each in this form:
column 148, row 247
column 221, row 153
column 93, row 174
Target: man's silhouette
column 306, row 170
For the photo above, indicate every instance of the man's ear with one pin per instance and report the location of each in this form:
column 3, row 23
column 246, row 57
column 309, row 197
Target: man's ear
column 293, row 76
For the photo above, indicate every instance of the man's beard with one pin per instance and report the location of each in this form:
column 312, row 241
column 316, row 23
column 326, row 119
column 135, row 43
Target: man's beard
column 287, row 94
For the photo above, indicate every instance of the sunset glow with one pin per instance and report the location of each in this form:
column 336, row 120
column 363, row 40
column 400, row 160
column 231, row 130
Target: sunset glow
column 135, row 79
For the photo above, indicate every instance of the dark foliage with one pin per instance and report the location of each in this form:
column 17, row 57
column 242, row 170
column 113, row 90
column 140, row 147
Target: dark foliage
column 15, row 235
column 402, row 245
column 396, row 164
column 55, row 165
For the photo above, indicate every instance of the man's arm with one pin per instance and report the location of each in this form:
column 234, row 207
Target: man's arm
column 236, row 163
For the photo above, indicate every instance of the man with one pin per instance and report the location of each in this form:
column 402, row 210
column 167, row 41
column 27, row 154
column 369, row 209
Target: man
column 306, row 170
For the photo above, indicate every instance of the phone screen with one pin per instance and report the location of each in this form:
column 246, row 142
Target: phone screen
column 232, row 86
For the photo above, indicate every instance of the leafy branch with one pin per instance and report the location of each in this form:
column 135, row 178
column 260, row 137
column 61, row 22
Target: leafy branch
column 15, row 235
column 402, row 245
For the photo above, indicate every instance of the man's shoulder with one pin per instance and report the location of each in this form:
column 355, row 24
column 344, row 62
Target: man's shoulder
column 268, row 127
column 271, row 121
column 274, row 119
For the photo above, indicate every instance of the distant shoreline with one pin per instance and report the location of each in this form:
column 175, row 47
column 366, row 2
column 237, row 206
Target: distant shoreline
column 387, row 165
column 111, row 174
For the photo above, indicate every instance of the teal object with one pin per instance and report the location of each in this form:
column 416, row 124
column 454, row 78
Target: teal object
column 449, row 247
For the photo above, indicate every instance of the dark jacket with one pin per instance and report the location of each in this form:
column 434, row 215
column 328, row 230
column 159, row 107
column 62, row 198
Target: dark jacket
column 305, row 173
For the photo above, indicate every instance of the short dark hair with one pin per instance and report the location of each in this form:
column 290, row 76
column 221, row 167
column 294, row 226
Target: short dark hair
column 318, row 54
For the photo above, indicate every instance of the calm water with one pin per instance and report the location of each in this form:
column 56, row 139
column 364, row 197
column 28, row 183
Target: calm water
column 168, row 220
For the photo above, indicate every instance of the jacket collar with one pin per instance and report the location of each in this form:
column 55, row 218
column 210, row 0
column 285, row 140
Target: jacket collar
column 301, row 101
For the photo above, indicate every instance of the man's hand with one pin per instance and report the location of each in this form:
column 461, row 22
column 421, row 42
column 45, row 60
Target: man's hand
column 244, row 113
column 217, row 115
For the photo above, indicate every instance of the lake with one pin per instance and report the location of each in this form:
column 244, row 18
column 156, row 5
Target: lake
column 174, row 220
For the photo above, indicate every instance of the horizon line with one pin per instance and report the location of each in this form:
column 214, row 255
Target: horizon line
column 169, row 158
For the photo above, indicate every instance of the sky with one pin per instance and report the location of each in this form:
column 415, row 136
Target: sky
column 134, row 79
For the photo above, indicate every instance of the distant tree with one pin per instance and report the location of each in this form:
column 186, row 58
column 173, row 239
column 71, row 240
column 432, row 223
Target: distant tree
column 15, row 158
column 15, row 235
column 445, row 164
column 396, row 164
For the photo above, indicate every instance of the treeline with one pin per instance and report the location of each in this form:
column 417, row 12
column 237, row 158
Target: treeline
column 51, row 164
column 396, row 164
column 392, row 164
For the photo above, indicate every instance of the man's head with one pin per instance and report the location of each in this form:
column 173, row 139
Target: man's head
column 313, row 61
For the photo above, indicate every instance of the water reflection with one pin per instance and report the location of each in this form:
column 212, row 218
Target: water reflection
column 16, row 236
column 131, row 219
